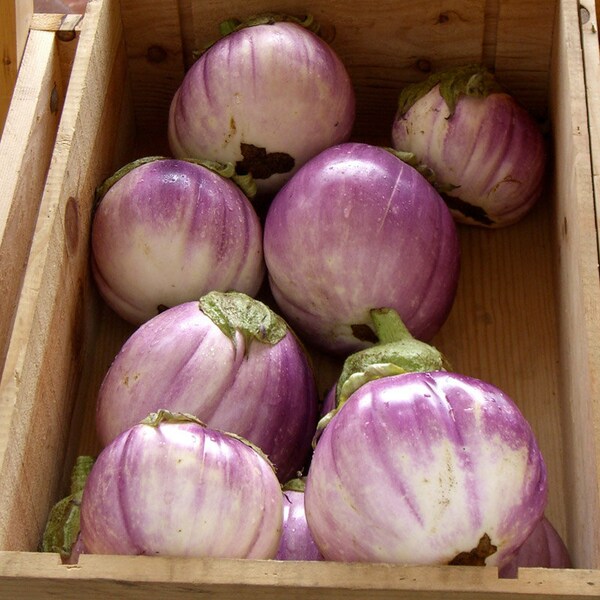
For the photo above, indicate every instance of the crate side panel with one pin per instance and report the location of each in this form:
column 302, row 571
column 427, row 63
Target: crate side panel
column 25, row 150
column 14, row 29
column 591, row 57
column 523, row 49
column 154, row 49
column 577, row 291
column 67, row 28
column 45, row 352
column 142, row 577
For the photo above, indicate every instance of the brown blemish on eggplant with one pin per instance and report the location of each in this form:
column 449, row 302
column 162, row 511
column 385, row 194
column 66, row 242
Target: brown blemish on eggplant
column 232, row 130
column 364, row 333
column 476, row 557
column 469, row 210
column 262, row 164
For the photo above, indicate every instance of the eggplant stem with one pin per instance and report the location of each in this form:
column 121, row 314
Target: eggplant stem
column 389, row 327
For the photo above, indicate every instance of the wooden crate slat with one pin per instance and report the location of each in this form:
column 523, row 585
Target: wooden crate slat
column 49, row 327
column 14, row 28
column 591, row 56
column 25, row 151
column 141, row 577
column 577, row 291
column 155, row 62
column 523, row 50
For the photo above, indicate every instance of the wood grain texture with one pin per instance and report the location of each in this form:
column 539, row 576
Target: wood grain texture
column 591, row 64
column 523, row 50
column 25, row 150
column 577, row 291
column 155, row 63
column 140, row 577
column 14, row 28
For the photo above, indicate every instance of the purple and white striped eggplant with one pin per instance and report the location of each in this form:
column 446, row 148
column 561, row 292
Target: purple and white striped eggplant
column 425, row 468
column 167, row 231
column 380, row 236
column 486, row 152
column 296, row 540
column 266, row 97
column 543, row 548
column 227, row 359
column 171, row 486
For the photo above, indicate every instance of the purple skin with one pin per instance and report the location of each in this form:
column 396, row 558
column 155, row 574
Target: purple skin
column 170, row 231
column 491, row 148
column 296, row 542
column 181, row 489
column 76, row 551
column 329, row 401
column 543, row 548
column 380, row 237
column 181, row 361
column 277, row 87
column 418, row 468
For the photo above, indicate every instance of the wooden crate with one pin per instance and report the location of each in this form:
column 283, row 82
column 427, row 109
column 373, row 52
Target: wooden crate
column 526, row 317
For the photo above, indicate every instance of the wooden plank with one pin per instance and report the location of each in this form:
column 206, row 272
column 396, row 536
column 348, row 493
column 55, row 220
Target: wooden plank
column 142, row 578
column 56, row 22
column 67, row 28
column 156, row 65
column 577, row 290
column 14, row 27
column 46, row 349
column 591, row 59
column 523, row 50
column 25, row 151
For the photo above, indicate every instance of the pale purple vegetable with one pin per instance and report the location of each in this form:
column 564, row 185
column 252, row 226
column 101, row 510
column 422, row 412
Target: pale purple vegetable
column 425, row 468
column 328, row 401
column 487, row 153
column 168, row 231
column 296, row 540
column 77, row 550
column 543, row 548
column 171, row 486
column 230, row 361
column 266, row 97
column 375, row 234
